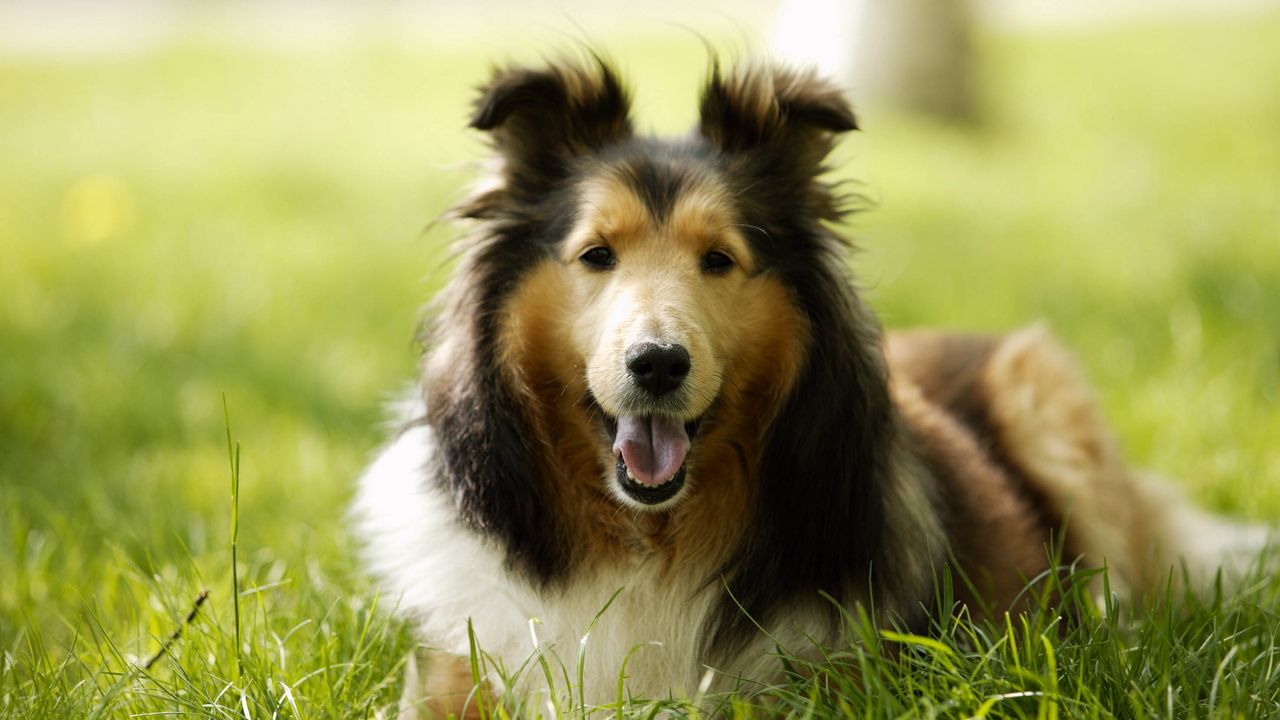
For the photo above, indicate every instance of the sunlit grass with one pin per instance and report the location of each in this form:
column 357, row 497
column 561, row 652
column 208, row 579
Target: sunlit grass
column 207, row 220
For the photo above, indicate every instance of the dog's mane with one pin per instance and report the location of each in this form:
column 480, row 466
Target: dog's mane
column 819, row 519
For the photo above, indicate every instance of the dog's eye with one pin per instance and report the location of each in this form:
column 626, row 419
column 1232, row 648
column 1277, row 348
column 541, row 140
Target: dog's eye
column 716, row 262
column 599, row 258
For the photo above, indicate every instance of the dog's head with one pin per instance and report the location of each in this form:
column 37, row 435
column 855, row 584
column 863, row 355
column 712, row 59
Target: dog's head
column 647, row 317
column 655, row 271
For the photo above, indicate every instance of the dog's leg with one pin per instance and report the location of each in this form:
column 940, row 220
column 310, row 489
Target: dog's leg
column 1050, row 426
column 438, row 685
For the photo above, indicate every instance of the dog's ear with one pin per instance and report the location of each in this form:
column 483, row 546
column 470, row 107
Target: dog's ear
column 772, row 106
column 780, row 123
column 541, row 119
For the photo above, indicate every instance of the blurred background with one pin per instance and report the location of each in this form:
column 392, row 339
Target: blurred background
column 209, row 199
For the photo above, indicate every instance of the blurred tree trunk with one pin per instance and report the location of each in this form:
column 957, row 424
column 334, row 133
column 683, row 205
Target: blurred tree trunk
column 909, row 54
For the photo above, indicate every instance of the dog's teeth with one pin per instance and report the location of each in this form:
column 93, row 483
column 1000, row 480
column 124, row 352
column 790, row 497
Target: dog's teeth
column 631, row 476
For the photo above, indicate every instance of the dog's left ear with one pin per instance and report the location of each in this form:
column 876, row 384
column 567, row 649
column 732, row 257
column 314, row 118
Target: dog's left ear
column 542, row 119
column 781, row 122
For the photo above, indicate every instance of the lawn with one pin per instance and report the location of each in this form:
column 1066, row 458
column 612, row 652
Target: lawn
column 209, row 223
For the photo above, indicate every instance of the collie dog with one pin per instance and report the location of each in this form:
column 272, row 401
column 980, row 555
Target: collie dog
column 654, row 405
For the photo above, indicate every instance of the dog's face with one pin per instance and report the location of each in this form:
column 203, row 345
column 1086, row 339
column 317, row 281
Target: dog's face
column 667, row 302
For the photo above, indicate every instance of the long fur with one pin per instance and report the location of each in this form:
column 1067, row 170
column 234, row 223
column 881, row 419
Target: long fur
column 823, row 471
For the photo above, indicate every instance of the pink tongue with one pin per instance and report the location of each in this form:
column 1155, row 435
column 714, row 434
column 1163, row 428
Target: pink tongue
column 653, row 448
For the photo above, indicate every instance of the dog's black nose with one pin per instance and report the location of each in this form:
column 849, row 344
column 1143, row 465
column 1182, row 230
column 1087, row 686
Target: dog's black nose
column 658, row 368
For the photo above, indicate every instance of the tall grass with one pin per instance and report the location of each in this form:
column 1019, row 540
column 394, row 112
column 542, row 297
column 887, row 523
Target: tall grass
column 233, row 459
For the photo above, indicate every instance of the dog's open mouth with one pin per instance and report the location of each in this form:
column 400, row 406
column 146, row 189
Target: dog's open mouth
column 649, row 452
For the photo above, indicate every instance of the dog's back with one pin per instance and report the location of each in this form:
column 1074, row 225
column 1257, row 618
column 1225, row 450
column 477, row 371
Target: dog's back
column 1052, row 472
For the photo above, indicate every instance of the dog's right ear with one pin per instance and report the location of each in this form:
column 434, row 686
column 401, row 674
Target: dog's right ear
column 777, row 123
column 773, row 107
column 542, row 119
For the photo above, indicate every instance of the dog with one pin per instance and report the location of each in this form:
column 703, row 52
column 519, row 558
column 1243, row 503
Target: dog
column 657, row 423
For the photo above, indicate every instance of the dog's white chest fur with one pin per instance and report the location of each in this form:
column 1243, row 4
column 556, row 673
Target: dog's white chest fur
column 441, row 574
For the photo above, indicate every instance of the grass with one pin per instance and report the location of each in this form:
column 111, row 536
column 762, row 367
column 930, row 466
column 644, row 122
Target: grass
column 207, row 219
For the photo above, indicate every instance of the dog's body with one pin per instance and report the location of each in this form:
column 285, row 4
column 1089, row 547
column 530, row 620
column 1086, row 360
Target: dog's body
column 652, row 388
